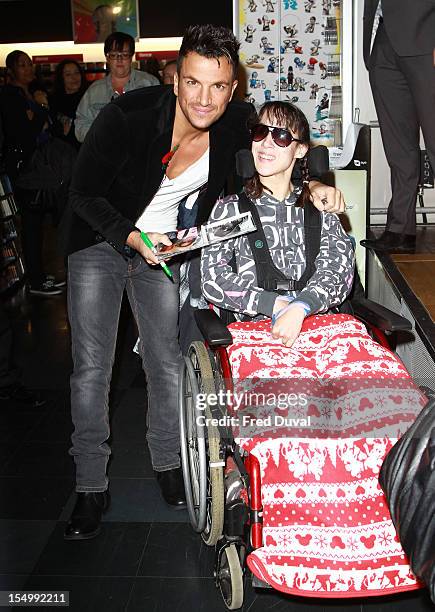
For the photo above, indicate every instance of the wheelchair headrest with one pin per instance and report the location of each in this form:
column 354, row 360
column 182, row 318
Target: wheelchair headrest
column 245, row 166
column 318, row 161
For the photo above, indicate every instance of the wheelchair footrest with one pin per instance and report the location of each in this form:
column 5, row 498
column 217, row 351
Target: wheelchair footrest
column 259, row 584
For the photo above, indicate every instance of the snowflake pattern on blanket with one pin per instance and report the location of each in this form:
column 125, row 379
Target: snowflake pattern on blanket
column 327, row 531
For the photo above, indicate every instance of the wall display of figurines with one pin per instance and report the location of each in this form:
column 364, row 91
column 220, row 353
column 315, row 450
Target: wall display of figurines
column 291, row 51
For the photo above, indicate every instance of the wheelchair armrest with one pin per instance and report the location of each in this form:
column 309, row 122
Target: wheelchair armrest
column 212, row 328
column 374, row 314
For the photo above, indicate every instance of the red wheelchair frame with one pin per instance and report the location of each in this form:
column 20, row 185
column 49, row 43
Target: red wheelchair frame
column 233, row 522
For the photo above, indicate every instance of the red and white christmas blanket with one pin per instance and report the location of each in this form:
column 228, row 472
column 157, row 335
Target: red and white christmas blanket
column 320, row 417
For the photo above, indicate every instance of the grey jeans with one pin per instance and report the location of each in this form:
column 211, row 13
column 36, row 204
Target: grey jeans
column 97, row 277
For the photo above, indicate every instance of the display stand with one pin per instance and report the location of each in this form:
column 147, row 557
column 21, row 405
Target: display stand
column 352, row 176
column 11, row 266
column 294, row 51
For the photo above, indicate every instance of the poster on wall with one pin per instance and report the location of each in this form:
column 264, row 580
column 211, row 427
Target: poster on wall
column 93, row 20
column 291, row 51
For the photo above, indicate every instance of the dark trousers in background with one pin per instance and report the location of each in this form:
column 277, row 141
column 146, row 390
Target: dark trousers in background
column 404, row 94
column 32, row 219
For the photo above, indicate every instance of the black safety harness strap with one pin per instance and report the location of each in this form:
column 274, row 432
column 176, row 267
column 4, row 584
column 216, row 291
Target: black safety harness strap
column 269, row 277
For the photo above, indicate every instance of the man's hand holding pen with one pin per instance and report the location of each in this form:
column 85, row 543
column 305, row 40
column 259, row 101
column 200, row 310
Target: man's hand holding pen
column 145, row 244
column 135, row 241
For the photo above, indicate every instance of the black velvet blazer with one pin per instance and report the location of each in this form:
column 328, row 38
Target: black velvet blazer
column 119, row 167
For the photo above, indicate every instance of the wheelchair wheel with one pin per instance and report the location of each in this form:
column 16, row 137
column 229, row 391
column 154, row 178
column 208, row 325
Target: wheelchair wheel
column 214, row 521
column 193, row 451
column 230, row 578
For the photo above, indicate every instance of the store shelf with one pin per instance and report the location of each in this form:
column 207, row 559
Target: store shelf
column 8, row 261
column 11, row 265
column 8, row 239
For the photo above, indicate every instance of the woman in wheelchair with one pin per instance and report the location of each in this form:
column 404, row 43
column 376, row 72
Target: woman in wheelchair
column 231, row 276
column 315, row 401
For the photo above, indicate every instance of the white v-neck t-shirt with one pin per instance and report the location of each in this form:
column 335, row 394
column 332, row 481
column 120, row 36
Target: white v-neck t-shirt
column 162, row 212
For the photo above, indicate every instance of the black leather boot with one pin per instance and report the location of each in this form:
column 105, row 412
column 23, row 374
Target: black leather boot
column 172, row 487
column 84, row 523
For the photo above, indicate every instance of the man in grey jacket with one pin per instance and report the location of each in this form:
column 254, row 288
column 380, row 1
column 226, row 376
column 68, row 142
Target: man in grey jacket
column 119, row 50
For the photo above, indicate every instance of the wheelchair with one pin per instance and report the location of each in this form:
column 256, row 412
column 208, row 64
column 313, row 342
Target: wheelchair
column 222, row 480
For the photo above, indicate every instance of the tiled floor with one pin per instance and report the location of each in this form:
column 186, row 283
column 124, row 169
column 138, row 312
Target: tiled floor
column 147, row 558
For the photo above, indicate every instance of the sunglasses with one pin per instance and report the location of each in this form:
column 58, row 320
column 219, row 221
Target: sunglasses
column 280, row 136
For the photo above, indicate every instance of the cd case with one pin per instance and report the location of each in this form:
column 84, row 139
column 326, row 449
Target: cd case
column 197, row 237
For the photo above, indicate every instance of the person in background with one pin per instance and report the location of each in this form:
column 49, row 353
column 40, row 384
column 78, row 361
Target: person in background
column 399, row 40
column 104, row 21
column 25, row 119
column 69, row 86
column 152, row 66
column 168, row 72
column 118, row 49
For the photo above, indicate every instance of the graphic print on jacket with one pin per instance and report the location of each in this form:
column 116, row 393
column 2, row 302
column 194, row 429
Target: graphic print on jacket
column 283, row 225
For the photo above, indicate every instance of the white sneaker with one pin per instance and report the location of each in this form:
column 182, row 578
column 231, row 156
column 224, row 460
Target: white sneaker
column 47, row 288
column 54, row 281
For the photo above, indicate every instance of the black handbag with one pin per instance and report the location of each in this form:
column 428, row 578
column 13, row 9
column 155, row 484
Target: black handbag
column 407, row 478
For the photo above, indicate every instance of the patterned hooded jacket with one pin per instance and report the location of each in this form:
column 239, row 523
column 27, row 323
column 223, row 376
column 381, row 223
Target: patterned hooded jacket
column 283, row 225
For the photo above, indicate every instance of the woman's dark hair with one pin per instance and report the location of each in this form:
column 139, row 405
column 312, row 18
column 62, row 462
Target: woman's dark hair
column 117, row 40
column 12, row 60
column 292, row 118
column 59, row 83
column 212, row 42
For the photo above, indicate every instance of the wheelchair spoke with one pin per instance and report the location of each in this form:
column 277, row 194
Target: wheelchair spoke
column 203, row 484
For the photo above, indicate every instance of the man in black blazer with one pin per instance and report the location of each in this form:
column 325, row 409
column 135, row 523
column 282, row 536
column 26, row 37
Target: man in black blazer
column 402, row 77
column 144, row 153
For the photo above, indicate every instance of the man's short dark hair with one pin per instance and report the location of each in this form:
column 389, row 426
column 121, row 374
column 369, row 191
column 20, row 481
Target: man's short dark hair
column 117, row 40
column 212, row 42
